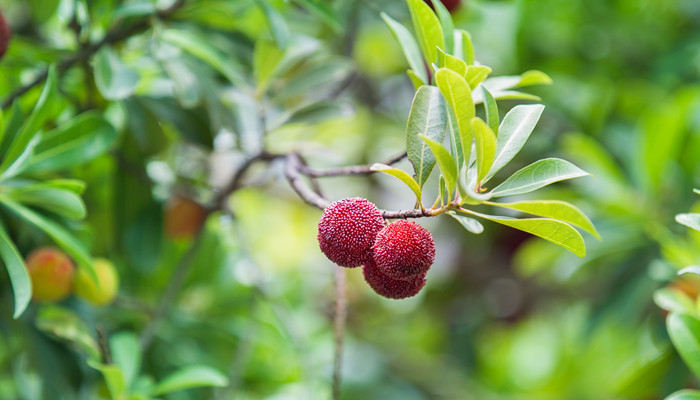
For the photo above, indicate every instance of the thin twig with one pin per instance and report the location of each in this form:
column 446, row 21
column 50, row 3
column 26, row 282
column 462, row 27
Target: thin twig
column 353, row 170
column 115, row 35
column 339, row 329
column 236, row 181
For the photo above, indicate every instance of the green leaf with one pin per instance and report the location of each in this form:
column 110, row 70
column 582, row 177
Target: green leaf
column 59, row 201
column 447, row 164
column 410, row 48
column 476, row 74
column 533, row 77
column 276, row 24
column 266, row 58
column 557, row 232
column 200, row 47
column 451, row 62
column 428, row 118
column 691, row 220
column 697, row 191
column 400, row 174
column 17, row 152
column 316, row 112
column 324, row 12
column 126, row 352
column 485, row 148
column 64, row 239
column 74, row 142
column 514, row 131
column 190, row 377
column 458, row 95
column 448, row 25
column 21, row 284
column 674, row 300
column 536, row 175
column 492, row 118
column 467, row 223
column 114, row 378
column 684, row 331
column 467, row 48
column 114, row 80
column 685, row 394
column 500, row 86
column 559, row 210
column 415, row 79
column 428, row 29
column 64, row 324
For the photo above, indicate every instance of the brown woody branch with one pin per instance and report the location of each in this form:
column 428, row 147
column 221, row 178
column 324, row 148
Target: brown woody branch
column 114, row 35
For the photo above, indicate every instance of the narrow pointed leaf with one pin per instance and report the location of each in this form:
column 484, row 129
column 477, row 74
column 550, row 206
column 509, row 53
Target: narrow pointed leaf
column 514, row 131
column 559, row 210
column 467, row 48
column 476, row 74
column 469, row 224
column 114, row 378
column 452, row 63
column 31, row 125
column 126, row 352
column 674, row 300
column 409, row 46
column 448, row 25
column 21, row 284
column 492, row 118
column 684, row 331
column 428, row 29
column 400, row 174
column 59, row 201
column 447, row 164
column 536, row 175
column 415, row 79
column 429, row 118
column 458, row 95
column 485, row 148
column 64, row 239
column 557, row 232
column 697, row 191
column 190, row 377
column 533, row 77
column 685, row 394
column 691, row 220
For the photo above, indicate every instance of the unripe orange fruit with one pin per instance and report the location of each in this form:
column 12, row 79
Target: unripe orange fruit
column 5, row 34
column 183, row 217
column 103, row 291
column 51, row 272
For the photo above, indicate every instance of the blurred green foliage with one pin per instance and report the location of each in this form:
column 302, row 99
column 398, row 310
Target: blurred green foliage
column 175, row 107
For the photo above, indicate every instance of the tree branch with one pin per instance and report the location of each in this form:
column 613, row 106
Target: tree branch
column 353, row 170
column 116, row 34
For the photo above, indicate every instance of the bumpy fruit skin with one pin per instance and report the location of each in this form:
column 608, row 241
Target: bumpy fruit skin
column 183, row 217
column 404, row 250
column 51, row 272
column 450, row 5
column 103, row 291
column 389, row 287
column 5, row 34
column 347, row 230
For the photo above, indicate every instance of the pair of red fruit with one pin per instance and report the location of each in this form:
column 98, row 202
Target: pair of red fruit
column 395, row 257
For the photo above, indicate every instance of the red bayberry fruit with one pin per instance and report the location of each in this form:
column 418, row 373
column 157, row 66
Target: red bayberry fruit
column 389, row 287
column 347, row 230
column 450, row 5
column 184, row 217
column 404, row 250
column 5, row 34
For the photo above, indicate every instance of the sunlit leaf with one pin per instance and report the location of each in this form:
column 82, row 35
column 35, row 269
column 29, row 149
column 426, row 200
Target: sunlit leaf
column 451, row 62
column 427, row 117
column 458, row 95
column 428, row 29
column 559, row 210
column 467, row 47
column 674, row 300
column 266, row 57
column 485, row 147
column 126, row 351
column 469, row 224
column 691, row 220
column 685, row 394
column 536, row 175
column 448, row 25
column 447, row 164
column 476, row 74
column 59, row 201
column 114, row 378
column 400, row 174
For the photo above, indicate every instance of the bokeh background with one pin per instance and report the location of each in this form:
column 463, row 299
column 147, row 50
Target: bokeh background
column 503, row 315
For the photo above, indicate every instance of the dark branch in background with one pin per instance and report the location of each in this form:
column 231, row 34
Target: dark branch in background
column 353, row 170
column 114, row 35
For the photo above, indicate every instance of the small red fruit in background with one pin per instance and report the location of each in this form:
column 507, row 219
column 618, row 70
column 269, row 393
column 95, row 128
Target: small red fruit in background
column 347, row 230
column 389, row 287
column 404, row 250
column 5, row 34
column 51, row 272
column 184, row 217
column 450, row 5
